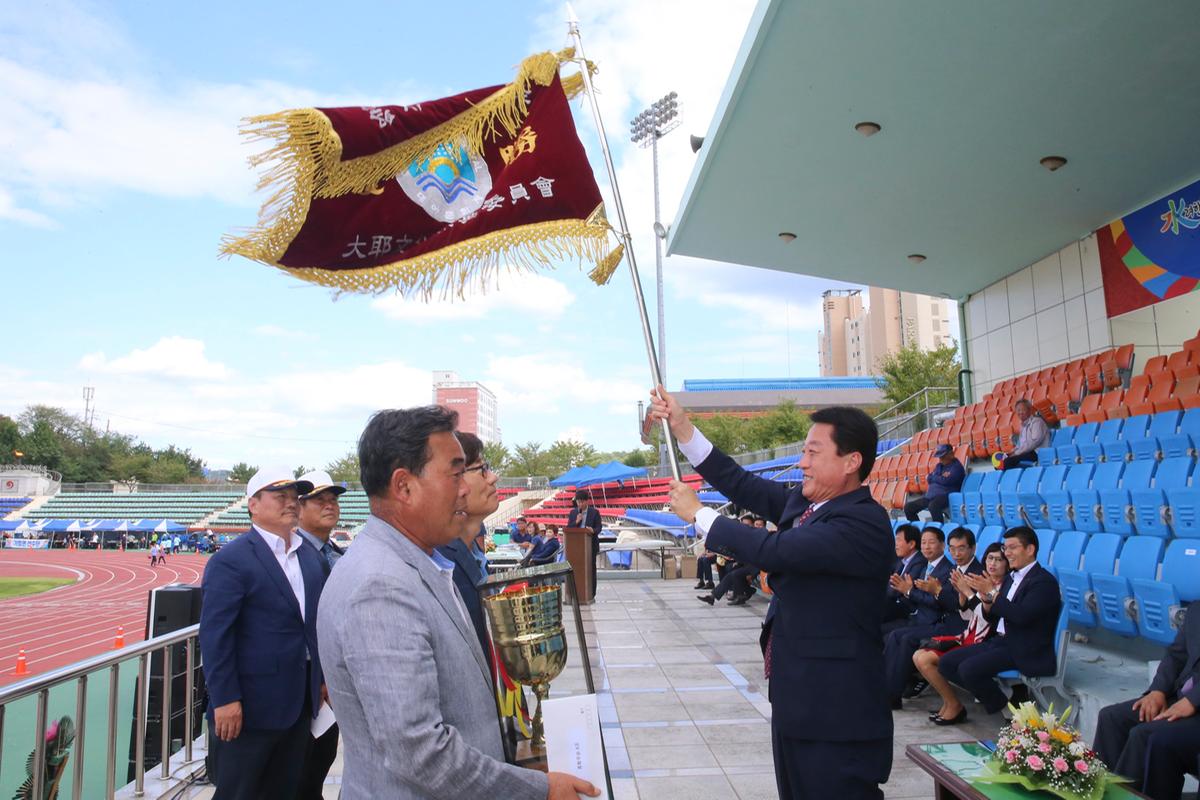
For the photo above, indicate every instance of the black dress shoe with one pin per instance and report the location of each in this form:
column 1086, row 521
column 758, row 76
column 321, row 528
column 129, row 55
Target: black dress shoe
column 705, row 598
column 957, row 719
column 701, row 585
column 709, row 586
column 916, row 689
column 739, row 601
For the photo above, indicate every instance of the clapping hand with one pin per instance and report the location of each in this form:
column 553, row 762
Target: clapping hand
column 931, row 585
column 901, row 583
column 982, row 584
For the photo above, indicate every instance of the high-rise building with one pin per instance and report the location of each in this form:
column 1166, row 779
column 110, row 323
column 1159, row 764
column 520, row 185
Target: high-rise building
column 478, row 412
column 854, row 339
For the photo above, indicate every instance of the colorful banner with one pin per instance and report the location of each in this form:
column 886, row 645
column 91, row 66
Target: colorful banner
column 1152, row 254
column 433, row 195
column 17, row 543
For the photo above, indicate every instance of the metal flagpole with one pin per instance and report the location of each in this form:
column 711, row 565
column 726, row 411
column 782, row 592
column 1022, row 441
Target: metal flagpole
column 623, row 232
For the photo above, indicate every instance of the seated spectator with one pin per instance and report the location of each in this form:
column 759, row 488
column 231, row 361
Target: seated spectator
column 521, row 535
column 1155, row 740
column 704, row 570
column 977, row 629
column 935, row 608
column 737, row 579
column 1034, row 434
column 946, row 477
column 546, row 549
column 909, row 564
column 1024, row 615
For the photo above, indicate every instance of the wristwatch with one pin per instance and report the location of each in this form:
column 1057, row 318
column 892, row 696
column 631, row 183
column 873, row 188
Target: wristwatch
column 992, row 595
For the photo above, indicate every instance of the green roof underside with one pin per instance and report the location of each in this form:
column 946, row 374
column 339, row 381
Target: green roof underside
column 970, row 96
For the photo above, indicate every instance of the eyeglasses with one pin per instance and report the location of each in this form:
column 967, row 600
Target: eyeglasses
column 995, row 557
column 483, row 469
column 1014, row 548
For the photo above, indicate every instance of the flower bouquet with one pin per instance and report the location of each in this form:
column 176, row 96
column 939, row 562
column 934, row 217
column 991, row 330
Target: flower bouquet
column 1041, row 752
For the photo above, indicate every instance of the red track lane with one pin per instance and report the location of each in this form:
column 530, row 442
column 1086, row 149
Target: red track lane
column 80, row 620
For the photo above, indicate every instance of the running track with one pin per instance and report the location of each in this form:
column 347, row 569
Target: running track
column 80, row 620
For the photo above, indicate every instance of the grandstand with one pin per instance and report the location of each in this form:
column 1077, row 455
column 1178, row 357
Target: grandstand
column 185, row 508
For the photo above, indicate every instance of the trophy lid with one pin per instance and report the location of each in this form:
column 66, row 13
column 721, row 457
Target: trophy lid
column 542, row 573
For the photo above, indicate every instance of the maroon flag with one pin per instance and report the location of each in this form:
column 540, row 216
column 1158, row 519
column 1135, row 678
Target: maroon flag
column 431, row 196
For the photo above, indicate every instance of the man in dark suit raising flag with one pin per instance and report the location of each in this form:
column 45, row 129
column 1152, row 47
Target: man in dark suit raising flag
column 831, row 728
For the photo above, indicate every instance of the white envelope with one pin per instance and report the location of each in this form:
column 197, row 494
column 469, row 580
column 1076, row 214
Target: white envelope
column 573, row 739
column 323, row 721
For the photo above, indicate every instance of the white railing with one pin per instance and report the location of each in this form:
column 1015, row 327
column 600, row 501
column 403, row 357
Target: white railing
column 79, row 674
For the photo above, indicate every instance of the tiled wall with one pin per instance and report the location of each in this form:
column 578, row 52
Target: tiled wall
column 1053, row 311
column 1047, row 313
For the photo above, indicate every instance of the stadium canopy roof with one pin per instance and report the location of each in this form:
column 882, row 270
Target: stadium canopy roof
column 612, row 471
column 572, row 475
column 970, row 97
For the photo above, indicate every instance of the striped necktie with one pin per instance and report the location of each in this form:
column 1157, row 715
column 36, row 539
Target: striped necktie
column 771, row 636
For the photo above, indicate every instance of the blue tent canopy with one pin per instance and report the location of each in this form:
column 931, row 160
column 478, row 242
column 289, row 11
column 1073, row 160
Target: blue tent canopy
column 159, row 525
column 62, row 525
column 571, row 476
column 10, row 524
column 612, row 471
column 661, row 519
column 108, row 525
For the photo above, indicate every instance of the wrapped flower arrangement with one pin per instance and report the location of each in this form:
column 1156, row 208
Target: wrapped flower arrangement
column 1041, row 752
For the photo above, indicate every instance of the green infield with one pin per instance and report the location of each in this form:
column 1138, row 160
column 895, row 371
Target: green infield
column 19, row 587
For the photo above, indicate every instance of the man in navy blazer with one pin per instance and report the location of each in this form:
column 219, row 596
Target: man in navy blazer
column 1023, row 612
column 909, row 564
column 258, row 639
column 584, row 515
column 1155, row 740
column 831, row 729
column 935, row 603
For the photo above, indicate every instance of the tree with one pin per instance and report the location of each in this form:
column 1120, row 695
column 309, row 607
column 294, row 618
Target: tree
column 528, row 459
column 784, row 424
column 345, row 468
column 726, row 432
column 496, row 454
column 242, row 472
column 43, row 446
column 10, row 439
column 567, row 454
column 911, row 369
column 300, row 470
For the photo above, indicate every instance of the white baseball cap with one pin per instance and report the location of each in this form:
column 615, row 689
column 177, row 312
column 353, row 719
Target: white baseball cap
column 274, row 478
column 321, row 482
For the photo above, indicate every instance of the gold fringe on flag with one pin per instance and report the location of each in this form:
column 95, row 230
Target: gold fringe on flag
column 476, row 262
column 607, row 266
column 305, row 159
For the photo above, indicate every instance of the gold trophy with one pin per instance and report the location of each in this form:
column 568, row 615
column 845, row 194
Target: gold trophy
column 527, row 629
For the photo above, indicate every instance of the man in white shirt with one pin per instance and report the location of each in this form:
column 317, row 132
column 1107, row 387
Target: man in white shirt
column 1034, row 434
column 258, row 639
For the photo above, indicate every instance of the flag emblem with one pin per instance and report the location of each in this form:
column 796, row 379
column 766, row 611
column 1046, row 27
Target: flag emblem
column 449, row 185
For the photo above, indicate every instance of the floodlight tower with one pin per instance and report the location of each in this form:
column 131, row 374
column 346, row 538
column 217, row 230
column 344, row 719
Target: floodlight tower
column 646, row 129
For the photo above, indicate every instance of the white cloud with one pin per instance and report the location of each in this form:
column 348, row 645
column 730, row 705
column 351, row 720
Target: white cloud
column 514, row 293
column 553, row 382
column 575, row 433
column 169, row 357
column 10, row 210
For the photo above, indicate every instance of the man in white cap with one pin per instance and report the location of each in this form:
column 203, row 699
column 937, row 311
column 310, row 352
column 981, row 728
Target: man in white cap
column 258, row 639
column 319, row 515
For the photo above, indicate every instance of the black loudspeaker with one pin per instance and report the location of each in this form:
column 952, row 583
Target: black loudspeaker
column 170, row 608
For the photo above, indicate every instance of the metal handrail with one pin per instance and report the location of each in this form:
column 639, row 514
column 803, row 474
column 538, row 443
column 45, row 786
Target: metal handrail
column 41, row 685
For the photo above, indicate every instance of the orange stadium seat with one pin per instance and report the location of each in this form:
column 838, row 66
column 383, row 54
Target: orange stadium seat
column 1159, row 398
column 1155, row 364
column 1178, row 359
column 1187, row 391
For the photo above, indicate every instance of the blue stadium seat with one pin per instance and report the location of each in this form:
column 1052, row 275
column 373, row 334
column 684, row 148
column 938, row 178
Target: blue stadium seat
column 1068, row 549
column 1108, row 439
column 1010, row 503
column 1085, row 503
column 1046, row 457
column 1116, row 505
column 1033, row 480
column 1150, row 502
column 1058, row 501
column 1084, row 434
column 1038, row 686
column 970, row 497
column 1099, row 558
column 1162, row 425
column 1064, row 435
column 1046, row 538
column 1185, row 442
column 989, row 497
column 987, row 536
column 1091, row 452
column 1184, row 504
column 1139, row 560
column 1159, row 602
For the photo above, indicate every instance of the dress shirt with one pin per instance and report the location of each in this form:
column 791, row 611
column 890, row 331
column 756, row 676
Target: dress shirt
column 288, row 560
column 1017, row 577
column 326, row 548
column 446, row 568
column 481, row 558
column 1034, row 434
column 932, row 565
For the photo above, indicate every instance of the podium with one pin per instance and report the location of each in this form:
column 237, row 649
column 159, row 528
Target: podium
column 581, row 555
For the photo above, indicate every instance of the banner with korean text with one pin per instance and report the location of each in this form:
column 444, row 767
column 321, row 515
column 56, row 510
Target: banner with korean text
column 433, row 196
column 1152, row 254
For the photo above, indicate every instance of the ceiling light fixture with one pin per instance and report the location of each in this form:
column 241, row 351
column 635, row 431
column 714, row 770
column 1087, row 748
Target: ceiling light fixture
column 1053, row 163
column 787, row 236
column 916, row 258
column 868, row 128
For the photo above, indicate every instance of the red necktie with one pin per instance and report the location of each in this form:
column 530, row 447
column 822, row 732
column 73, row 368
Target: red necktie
column 771, row 636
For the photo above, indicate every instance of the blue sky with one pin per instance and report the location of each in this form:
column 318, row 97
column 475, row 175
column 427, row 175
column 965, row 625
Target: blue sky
column 121, row 167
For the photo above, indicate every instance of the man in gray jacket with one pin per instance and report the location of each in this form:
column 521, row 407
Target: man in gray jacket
column 407, row 678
